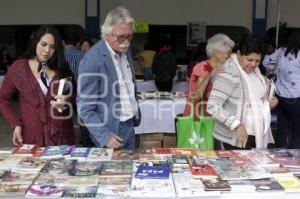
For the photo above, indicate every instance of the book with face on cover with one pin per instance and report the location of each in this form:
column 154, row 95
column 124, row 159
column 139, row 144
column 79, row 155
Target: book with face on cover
column 85, row 168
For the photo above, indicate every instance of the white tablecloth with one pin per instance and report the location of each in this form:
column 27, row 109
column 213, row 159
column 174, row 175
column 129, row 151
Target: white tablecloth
column 159, row 116
column 148, row 86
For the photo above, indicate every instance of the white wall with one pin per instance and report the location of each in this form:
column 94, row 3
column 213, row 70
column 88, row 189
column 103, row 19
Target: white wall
column 24, row 12
column 159, row 12
column 179, row 12
column 289, row 12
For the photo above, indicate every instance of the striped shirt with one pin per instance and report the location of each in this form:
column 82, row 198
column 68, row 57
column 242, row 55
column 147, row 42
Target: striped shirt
column 73, row 56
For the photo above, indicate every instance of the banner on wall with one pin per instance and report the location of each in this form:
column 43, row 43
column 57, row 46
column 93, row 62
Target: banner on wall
column 196, row 33
column 141, row 27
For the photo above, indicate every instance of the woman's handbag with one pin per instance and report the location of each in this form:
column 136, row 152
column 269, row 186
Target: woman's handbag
column 195, row 134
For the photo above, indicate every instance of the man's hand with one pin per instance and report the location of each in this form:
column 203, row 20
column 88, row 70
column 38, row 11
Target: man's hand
column 115, row 142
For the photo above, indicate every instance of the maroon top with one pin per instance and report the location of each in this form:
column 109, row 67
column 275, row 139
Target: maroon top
column 35, row 117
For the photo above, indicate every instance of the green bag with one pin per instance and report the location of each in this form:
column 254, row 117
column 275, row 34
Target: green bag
column 195, row 134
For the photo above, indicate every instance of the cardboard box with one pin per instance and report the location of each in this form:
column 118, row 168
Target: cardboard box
column 169, row 140
column 148, row 144
column 152, row 137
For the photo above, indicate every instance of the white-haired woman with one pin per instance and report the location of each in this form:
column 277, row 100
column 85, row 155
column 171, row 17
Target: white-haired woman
column 218, row 49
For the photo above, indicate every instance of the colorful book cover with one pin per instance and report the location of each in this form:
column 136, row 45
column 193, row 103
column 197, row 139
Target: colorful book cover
column 117, row 168
column 25, row 150
column 180, row 159
column 118, row 180
column 58, row 167
column 44, row 191
column 125, row 155
column 290, row 184
column 30, row 164
column 80, row 153
column 80, row 192
column 13, row 189
column 215, row 184
column 226, row 153
column 85, row 168
column 152, row 172
column 54, row 151
column 185, row 151
column 100, row 154
column 202, row 171
column 163, row 151
column 39, row 152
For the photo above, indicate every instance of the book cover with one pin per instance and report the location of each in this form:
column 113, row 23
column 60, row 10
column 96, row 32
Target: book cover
column 25, row 150
column 80, row 192
column 18, row 178
column 153, row 172
column 85, row 168
column 13, row 189
column 180, row 159
column 58, row 167
column 118, row 180
column 226, row 153
column 215, row 184
column 185, row 151
column 30, row 164
column 280, row 152
column 202, row 171
column 188, row 187
column 117, row 168
column 163, row 151
column 100, row 154
column 268, row 184
column 125, row 155
column 290, row 184
column 80, row 153
column 113, row 191
column 44, row 191
column 81, row 181
column 39, row 152
column 54, row 151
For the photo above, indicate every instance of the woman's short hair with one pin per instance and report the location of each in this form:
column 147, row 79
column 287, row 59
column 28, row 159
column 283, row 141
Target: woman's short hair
column 250, row 45
column 218, row 42
column 116, row 16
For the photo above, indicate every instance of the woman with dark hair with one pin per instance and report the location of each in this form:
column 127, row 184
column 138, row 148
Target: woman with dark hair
column 239, row 100
column 85, row 44
column 45, row 116
column 286, row 61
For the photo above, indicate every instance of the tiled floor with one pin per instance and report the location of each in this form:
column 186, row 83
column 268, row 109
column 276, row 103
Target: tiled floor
column 6, row 131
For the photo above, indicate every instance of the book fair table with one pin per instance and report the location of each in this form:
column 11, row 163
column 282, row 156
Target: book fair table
column 158, row 115
column 148, row 86
column 30, row 172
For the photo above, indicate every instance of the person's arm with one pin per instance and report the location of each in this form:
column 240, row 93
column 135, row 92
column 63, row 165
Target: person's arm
column 90, row 110
column 270, row 61
column 7, row 91
column 223, row 87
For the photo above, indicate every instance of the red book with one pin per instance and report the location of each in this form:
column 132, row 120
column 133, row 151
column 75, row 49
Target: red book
column 205, row 171
column 25, row 150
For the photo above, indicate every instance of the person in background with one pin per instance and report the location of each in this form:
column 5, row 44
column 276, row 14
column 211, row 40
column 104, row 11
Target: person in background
column 218, row 49
column 196, row 57
column 72, row 54
column 286, row 61
column 5, row 60
column 164, row 66
column 85, row 44
column 239, row 101
column 106, row 99
column 146, row 58
column 44, row 116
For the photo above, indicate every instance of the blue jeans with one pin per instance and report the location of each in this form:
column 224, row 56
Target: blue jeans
column 288, row 123
column 148, row 75
column 126, row 132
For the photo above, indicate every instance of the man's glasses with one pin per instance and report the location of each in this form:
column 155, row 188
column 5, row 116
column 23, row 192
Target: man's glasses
column 121, row 38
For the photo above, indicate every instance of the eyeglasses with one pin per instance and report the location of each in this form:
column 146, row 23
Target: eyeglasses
column 121, row 38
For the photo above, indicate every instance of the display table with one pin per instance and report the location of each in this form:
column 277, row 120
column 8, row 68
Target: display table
column 159, row 115
column 148, row 86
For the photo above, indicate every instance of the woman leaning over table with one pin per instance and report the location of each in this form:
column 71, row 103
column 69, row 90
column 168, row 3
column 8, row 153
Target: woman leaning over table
column 239, row 100
column 287, row 61
column 43, row 116
column 218, row 49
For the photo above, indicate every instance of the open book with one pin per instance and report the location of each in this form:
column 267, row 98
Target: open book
column 272, row 89
column 64, row 88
